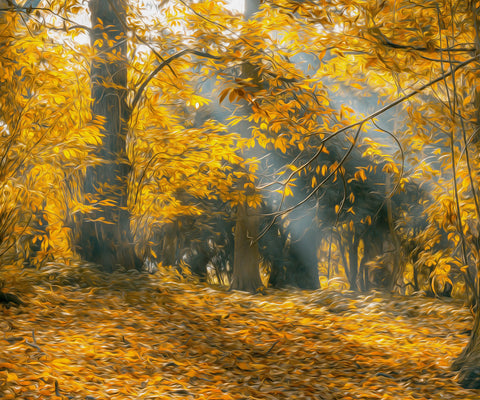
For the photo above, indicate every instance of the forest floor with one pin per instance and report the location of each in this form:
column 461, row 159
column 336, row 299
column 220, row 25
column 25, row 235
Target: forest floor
column 86, row 335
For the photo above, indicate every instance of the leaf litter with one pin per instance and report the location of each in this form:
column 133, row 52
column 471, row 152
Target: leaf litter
column 88, row 335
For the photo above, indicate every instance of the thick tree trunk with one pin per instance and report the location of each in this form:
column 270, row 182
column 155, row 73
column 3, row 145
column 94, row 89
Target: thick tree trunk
column 294, row 271
column 287, row 273
column 293, row 264
column 468, row 363
column 105, row 236
column 246, row 275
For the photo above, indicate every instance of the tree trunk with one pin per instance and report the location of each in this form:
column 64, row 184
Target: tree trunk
column 246, row 275
column 292, row 270
column 468, row 363
column 292, row 264
column 343, row 252
column 363, row 268
column 397, row 269
column 371, row 249
column 105, row 237
column 353, row 263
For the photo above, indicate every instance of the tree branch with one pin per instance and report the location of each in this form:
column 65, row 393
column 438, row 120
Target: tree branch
column 173, row 57
column 358, row 124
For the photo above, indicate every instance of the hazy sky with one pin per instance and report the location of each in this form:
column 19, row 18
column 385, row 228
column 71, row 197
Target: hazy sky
column 84, row 19
column 237, row 4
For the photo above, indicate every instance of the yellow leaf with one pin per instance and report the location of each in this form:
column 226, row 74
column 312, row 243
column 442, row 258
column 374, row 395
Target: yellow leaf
column 360, row 175
column 61, row 362
column 288, row 191
column 11, row 377
column 244, row 366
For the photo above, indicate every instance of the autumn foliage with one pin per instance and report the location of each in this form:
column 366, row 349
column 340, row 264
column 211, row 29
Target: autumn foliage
column 128, row 336
column 305, row 145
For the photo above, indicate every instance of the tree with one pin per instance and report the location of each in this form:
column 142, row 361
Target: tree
column 424, row 40
column 105, row 237
column 46, row 134
column 246, row 275
column 155, row 168
column 468, row 361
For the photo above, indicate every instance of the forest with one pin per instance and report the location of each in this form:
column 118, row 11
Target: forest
column 258, row 199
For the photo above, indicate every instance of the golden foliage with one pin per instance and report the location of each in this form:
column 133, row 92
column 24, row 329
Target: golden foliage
column 129, row 336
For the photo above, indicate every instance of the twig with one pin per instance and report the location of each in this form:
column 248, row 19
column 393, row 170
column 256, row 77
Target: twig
column 57, row 390
column 359, row 124
column 271, row 348
column 34, row 343
column 166, row 63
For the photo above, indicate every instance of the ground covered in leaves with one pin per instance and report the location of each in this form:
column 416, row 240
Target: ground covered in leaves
column 85, row 335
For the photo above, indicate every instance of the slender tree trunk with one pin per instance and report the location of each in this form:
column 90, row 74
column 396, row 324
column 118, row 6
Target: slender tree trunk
column 343, row 253
column 105, row 236
column 363, row 275
column 397, row 271
column 353, row 263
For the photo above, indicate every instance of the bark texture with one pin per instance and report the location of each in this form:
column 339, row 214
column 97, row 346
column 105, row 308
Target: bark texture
column 105, row 237
column 246, row 275
column 468, row 363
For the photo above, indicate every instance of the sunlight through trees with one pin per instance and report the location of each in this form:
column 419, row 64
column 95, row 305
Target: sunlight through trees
column 261, row 147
